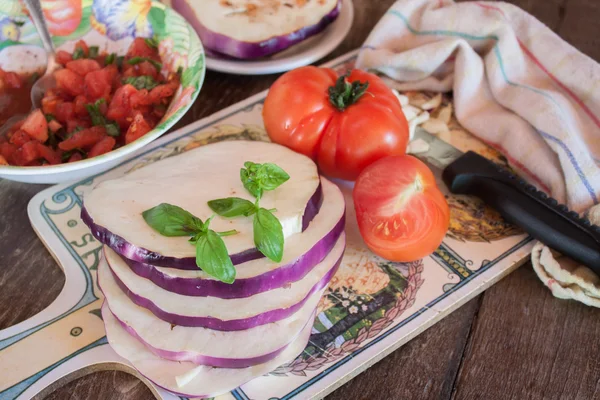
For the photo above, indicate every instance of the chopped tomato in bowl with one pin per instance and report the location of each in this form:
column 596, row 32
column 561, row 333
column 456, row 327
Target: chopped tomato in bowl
column 125, row 79
column 101, row 102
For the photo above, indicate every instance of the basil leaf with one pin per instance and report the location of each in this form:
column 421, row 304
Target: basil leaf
column 110, row 59
column 142, row 82
column 94, row 111
column 152, row 42
column 232, row 207
column 93, row 51
column 138, row 60
column 268, row 234
column 78, row 53
column 250, row 166
column 271, row 176
column 250, row 184
column 212, row 257
column 112, row 129
column 49, row 117
column 120, row 60
column 170, row 220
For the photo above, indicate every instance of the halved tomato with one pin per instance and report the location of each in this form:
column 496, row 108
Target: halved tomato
column 401, row 213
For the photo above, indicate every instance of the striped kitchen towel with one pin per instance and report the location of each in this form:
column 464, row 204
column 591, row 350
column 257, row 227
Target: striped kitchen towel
column 516, row 85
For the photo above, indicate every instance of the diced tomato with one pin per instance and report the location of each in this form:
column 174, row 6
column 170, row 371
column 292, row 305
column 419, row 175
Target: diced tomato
column 162, row 92
column 141, row 98
column 83, row 81
column 73, row 124
column 63, row 57
column 103, row 107
column 13, row 80
column 103, row 146
column 139, row 48
column 80, row 102
column 65, row 111
column 62, row 94
column 48, row 154
column 84, row 139
column 138, row 128
column 36, row 126
column 97, row 84
column 7, row 150
column 34, row 163
column 146, row 68
column 69, row 81
column 159, row 111
column 129, row 73
column 26, row 153
column 3, row 161
column 17, row 125
column 83, row 46
column 116, row 76
column 120, row 104
column 83, row 66
column 49, row 104
column 101, row 59
column 19, row 138
column 111, row 71
column 54, row 125
column 75, row 157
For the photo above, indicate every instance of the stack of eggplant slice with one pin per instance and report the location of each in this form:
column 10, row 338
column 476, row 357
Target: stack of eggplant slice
column 186, row 331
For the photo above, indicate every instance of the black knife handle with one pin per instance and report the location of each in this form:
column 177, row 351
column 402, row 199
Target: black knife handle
column 523, row 205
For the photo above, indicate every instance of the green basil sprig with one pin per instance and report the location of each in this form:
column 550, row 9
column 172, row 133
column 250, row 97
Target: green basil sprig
column 268, row 232
column 211, row 253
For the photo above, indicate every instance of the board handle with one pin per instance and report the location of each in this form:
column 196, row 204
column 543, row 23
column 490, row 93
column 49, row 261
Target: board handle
column 525, row 206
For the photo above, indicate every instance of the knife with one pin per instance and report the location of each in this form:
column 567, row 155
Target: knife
column 518, row 202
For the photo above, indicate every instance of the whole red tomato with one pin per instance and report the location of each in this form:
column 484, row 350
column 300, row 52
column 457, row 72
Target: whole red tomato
column 343, row 123
column 401, row 213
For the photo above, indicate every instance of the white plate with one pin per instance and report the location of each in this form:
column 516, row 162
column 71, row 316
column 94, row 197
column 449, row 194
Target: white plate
column 299, row 55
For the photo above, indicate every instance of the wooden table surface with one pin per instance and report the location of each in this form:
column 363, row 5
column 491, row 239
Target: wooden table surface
column 515, row 341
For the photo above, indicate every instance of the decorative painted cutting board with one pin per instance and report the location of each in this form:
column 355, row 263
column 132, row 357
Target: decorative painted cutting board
column 371, row 308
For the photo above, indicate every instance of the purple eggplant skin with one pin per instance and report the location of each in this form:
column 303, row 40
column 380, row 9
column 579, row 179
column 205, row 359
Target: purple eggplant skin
column 132, row 252
column 219, row 43
column 199, row 359
column 245, row 287
column 226, row 325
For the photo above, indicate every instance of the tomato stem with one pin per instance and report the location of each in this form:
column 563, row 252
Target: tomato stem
column 343, row 94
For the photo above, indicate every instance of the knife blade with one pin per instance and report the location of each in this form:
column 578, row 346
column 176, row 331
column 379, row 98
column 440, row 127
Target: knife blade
column 518, row 202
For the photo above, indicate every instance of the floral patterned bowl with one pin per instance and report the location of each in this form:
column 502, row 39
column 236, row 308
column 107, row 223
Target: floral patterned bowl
column 112, row 25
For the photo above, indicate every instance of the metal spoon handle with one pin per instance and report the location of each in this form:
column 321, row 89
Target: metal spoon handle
column 37, row 15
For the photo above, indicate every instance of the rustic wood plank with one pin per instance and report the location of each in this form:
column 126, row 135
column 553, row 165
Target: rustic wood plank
column 424, row 368
column 581, row 28
column 528, row 344
column 24, row 261
column 550, row 12
column 114, row 385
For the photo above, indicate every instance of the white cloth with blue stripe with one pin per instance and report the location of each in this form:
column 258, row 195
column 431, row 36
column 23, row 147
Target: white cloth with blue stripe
column 516, row 85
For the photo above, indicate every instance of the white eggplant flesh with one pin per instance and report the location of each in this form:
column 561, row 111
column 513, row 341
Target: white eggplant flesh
column 189, row 181
column 296, row 246
column 200, row 345
column 181, row 307
column 186, row 378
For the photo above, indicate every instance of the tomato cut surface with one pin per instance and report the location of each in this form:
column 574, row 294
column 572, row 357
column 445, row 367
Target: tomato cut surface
column 401, row 213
